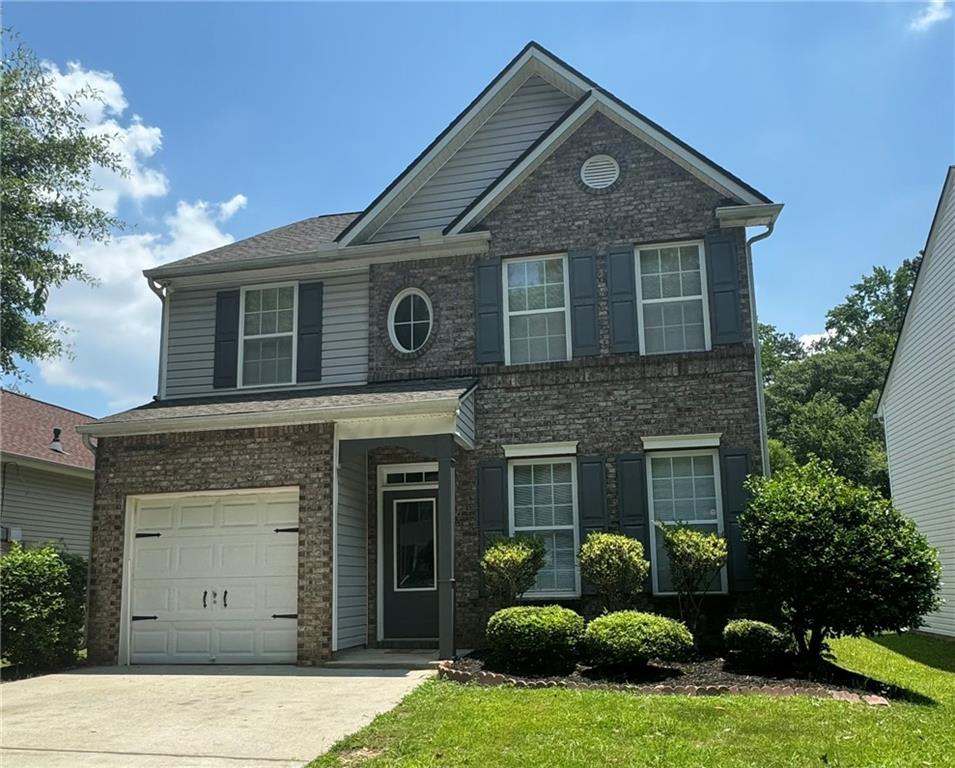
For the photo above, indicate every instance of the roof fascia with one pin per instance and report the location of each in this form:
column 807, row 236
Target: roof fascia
column 46, row 466
column 759, row 215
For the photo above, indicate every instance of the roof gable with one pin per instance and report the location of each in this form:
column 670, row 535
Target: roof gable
column 532, row 60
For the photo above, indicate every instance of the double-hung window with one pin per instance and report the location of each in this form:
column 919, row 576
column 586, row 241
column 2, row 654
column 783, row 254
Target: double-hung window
column 684, row 490
column 536, row 307
column 267, row 349
column 671, row 285
column 543, row 502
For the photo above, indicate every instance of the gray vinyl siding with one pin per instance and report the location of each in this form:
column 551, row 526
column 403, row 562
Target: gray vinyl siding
column 530, row 111
column 919, row 408
column 190, row 344
column 465, row 417
column 352, row 554
column 48, row 506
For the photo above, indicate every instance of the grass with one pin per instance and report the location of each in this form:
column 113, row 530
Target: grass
column 447, row 724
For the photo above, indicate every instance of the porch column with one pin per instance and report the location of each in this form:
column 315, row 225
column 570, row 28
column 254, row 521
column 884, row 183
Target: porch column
column 445, row 524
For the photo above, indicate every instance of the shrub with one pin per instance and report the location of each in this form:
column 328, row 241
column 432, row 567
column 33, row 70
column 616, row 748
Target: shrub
column 615, row 565
column 755, row 643
column 510, row 566
column 42, row 606
column 837, row 558
column 695, row 560
column 629, row 639
column 537, row 639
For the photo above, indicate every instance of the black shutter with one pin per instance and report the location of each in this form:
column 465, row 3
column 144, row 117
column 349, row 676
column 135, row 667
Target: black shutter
column 632, row 493
column 488, row 312
column 583, row 303
column 591, row 501
column 735, row 466
column 225, row 367
column 309, row 354
column 722, row 275
column 492, row 505
column 622, row 303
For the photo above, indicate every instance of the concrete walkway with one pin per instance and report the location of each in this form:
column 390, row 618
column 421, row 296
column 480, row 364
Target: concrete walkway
column 190, row 717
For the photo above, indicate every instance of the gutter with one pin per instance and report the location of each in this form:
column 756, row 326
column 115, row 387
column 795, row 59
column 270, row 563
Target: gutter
column 162, row 291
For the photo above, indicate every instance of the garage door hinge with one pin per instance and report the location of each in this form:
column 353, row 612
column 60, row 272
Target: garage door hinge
column 286, row 530
column 284, row 615
column 147, row 535
column 145, row 618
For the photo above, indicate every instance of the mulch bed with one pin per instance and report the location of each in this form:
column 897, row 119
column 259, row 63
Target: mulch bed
column 703, row 676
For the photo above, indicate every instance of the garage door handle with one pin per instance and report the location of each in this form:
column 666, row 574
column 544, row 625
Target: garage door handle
column 225, row 599
column 284, row 615
column 286, row 530
column 204, row 593
column 144, row 618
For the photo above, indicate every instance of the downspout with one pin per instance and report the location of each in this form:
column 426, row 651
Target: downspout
column 760, row 395
column 163, row 295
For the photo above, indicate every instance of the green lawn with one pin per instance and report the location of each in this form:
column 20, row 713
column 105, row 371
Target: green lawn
column 447, row 724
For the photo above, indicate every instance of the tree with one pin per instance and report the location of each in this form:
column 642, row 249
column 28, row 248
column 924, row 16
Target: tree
column 46, row 166
column 776, row 349
column 695, row 559
column 836, row 557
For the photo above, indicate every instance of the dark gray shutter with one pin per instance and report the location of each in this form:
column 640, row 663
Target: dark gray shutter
column 583, row 303
column 309, row 354
column 225, row 367
column 488, row 312
column 492, row 505
column 735, row 465
column 622, row 299
column 591, row 501
column 632, row 493
column 722, row 275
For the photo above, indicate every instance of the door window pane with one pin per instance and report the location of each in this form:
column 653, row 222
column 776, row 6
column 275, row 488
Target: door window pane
column 414, row 545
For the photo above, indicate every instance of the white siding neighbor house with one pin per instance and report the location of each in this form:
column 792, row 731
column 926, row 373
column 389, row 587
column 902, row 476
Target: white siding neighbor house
column 918, row 403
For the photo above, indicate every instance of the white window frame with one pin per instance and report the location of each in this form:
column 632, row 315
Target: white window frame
column 714, row 454
column 537, row 595
column 394, row 544
column 242, row 336
column 707, row 341
column 392, row 310
column 518, row 312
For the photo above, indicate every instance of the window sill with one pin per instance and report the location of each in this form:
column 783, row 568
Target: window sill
column 538, row 597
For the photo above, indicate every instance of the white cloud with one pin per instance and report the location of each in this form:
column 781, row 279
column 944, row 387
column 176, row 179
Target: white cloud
column 934, row 12
column 808, row 340
column 114, row 325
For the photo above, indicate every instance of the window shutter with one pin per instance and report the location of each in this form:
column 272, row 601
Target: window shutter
column 583, row 303
column 735, row 466
column 488, row 312
column 632, row 493
column 225, row 367
column 309, row 353
column 622, row 299
column 591, row 501
column 492, row 505
column 722, row 275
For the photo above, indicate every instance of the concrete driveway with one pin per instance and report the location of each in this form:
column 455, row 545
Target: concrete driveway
column 201, row 717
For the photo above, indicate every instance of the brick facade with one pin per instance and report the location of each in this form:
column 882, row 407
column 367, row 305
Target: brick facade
column 201, row 461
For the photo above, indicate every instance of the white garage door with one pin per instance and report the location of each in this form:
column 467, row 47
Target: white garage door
column 214, row 578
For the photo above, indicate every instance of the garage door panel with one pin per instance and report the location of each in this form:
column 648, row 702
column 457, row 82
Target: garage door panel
column 241, row 514
column 197, row 516
column 282, row 556
column 152, row 561
column 194, row 560
column 155, row 517
column 281, row 513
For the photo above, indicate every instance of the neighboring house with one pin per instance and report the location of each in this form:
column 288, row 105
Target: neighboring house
column 47, row 483
column 917, row 405
column 545, row 324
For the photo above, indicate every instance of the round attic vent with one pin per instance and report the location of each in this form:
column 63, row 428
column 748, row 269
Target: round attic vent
column 599, row 171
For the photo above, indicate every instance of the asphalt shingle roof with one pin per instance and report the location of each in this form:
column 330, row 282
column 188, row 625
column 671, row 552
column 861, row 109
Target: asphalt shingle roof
column 26, row 429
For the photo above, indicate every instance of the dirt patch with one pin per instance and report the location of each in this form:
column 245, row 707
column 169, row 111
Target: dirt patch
column 358, row 756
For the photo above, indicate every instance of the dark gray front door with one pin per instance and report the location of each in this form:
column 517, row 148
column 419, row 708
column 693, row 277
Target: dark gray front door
column 409, row 573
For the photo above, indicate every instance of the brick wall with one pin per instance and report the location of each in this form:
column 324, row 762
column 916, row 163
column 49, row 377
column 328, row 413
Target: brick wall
column 199, row 461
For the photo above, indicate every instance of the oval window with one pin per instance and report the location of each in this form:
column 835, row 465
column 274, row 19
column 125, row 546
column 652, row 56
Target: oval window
column 599, row 171
column 409, row 320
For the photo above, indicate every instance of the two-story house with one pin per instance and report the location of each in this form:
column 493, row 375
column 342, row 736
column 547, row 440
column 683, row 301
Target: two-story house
column 545, row 324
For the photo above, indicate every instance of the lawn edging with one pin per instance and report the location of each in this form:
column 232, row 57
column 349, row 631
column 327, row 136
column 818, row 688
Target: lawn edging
column 448, row 671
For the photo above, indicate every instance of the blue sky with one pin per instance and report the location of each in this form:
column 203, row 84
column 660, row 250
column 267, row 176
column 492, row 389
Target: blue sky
column 240, row 117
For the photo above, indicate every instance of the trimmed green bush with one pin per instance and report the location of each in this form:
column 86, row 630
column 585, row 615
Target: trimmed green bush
column 616, row 567
column 695, row 560
column 755, row 643
column 629, row 639
column 511, row 565
column 42, row 606
column 535, row 639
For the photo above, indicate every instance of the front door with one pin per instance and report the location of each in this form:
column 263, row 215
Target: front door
column 410, row 566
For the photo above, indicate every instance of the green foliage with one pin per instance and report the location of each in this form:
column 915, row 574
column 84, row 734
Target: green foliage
column 511, row 565
column 42, row 606
column 776, row 349
column 535, row 639
column 780, row 457
column 695, row 560
column 755, row 643
column 615, row 565
column 836, row 557
column 46, row 176
column 629, row 639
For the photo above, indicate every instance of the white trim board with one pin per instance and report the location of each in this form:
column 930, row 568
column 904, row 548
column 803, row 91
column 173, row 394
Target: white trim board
column 677, row 442
column 531, row 450
column 46, row 466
